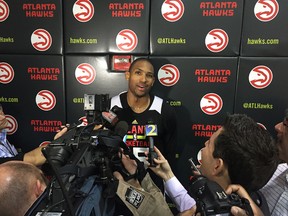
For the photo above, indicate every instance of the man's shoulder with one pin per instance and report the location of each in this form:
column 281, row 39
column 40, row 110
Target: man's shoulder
column 260, row 201
column 119, row 95
column 118, row 100
column 280, row 173
column 164, row 103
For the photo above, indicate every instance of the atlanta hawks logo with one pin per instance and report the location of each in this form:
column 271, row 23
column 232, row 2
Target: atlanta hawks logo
column 260, row 77
column 83, row 10
column 266, row 10
column 172, row 10
column 85, row 74
column 41, row 40
column 12, row 125
column 168, row 75
column 6, row 73
column 211, row 103
column 216, row 40
column 45, row 100
column 126, row 40
column 4, row 11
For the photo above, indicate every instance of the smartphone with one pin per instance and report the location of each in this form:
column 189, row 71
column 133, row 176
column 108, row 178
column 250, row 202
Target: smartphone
column 193, row 166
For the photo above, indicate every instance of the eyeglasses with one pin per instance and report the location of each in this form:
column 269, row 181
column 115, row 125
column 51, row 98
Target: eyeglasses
column 285, row 122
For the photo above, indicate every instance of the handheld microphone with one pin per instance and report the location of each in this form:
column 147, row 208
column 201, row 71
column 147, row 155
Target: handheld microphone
column 150, row 131
column 121, row 129
column 111, row 116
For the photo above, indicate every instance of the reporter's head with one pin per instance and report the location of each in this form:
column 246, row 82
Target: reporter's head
column 240, row 152
column 282, row 137
column 21, row 184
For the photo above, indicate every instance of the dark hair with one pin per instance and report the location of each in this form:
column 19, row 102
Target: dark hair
column 139, row 60
column 248, row 150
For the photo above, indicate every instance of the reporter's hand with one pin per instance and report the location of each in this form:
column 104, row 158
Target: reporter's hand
column 189, row 212
column 236, row 211
column 36, row 156
column 63, row 130
column 129, row 164
column 163, row 168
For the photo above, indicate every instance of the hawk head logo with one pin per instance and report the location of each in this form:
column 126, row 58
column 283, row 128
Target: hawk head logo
column 172, row 10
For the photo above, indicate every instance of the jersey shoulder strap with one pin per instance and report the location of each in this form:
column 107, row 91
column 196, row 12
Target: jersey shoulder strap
column 157, row 104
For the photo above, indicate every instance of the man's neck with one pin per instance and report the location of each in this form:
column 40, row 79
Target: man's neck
column 138, row 104
column 222, row 180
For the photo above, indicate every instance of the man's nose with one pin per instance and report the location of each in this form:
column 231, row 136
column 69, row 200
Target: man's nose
column 143, row 78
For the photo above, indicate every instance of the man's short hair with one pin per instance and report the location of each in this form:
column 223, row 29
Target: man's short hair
column 139, row 60
column 248, row 150
column 16, row 195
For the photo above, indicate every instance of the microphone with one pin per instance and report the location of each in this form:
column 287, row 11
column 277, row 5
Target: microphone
column 111, row 116
column 121, row 129
column 151, row 131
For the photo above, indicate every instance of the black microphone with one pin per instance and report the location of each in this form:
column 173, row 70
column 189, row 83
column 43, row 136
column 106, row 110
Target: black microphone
column 120, row 130
column 151, row 131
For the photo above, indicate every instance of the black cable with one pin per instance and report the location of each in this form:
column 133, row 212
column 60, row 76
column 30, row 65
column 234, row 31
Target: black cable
column 61, row 184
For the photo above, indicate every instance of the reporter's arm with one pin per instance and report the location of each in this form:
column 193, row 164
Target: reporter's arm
column 163, row 169
column 35, row 157
column 131, row 166
column 179, row 195
column 61, row 132
column 173, row 187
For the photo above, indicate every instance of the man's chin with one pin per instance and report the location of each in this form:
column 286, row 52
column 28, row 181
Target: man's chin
column 141, row 94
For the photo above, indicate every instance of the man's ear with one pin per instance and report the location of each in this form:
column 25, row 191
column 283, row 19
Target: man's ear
column 127, row 75
column 219, row 167
column 39, row 188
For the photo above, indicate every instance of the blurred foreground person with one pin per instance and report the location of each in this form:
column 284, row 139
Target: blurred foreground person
column 237, row 153
column 276, row 190
column 21, row 184
column 8, row 151
column 138, row 192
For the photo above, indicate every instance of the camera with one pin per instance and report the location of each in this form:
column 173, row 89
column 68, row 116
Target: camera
column 82, row 153
column 211, row 199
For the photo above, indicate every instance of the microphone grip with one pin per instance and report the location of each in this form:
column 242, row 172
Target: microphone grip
column 152, row 154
